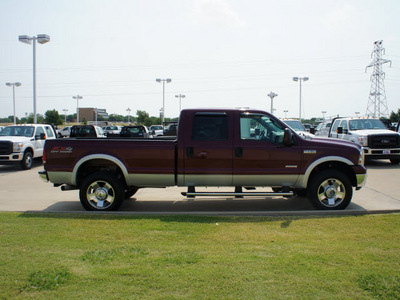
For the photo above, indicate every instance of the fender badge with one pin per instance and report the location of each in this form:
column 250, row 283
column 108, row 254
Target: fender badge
column 310, row 151
column 57, row 149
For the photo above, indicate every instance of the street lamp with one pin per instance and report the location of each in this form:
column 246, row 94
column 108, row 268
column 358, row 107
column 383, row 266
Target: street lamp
column 65, row 112
column 14, row 84
column 129, row 115
column 285, row 111
column 167, row 80
column 41, row 39
column 77, row 97
column 300, row 79
column 323, row 114
column 272, row 95
column 180, row 96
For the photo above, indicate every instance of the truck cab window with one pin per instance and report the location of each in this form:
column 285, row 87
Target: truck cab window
column 261, row 127
column 210, row 127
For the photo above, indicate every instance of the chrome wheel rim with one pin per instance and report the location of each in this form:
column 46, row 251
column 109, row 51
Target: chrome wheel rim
column 28, row 161
column 331, row 192
column 100, row 194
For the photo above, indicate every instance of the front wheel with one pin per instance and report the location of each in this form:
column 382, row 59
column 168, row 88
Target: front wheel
column 27, row 161
column 330, row 190
column 395, row 161
column 101, row 191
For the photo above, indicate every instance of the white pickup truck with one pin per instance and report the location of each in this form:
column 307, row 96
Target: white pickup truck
column 20, row 144
column 378, row 142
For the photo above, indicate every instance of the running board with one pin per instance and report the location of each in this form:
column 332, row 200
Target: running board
column 227, row 194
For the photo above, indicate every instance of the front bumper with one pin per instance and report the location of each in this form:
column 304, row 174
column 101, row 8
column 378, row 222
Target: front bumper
column 11, row 158
column 383, row 153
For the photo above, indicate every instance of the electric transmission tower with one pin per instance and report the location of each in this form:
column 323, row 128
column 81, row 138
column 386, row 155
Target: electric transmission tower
column 377, row 105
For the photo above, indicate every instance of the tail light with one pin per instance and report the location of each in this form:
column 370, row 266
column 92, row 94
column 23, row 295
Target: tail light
column 44, row 156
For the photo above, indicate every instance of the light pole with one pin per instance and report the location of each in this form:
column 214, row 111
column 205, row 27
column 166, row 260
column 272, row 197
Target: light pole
column 180, row 96
column 300, row 79
column 129, row 115
column 41, row 39
column 357, row 114
column 285, row 111
column 65, row 112
column 272, row 95
column 14, row 84
column 77, row 97
column 167, row 80
column 323, row 114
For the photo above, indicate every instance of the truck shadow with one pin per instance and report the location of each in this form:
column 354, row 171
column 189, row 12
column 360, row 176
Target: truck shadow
column 270, row 206
column 37, row 162
column 381, row 164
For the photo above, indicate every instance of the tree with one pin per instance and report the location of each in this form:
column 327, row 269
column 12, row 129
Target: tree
column 395, row 117
column 30, row 119
column 143, row 118
column 53, row 117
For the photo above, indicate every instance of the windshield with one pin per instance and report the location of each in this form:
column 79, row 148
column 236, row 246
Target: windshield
column 366, row 124
column 296, row 125
column 26, row 131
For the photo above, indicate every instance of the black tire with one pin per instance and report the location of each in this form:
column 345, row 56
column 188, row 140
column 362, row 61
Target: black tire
column 130, row 192
column 27, row 161
column 395, row 161
column 330, row 190
column 101, row 191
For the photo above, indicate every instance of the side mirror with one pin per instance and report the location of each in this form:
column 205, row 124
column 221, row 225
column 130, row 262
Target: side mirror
column 312, row 130
column 340, row 130
column 288, row 137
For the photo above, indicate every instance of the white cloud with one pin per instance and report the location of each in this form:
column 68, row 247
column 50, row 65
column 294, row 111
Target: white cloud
column 217, row 13
column 344, row 18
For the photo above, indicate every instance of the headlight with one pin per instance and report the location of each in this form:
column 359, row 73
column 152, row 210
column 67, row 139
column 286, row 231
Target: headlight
column 17, row 147
column 363, row 140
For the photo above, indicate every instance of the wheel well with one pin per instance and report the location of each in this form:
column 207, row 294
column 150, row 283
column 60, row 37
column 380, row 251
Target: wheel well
column 29, row 150
column 98, row 165
column 335, row 165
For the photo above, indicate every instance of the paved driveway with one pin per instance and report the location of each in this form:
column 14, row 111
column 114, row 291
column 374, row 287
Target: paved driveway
column 25, row 191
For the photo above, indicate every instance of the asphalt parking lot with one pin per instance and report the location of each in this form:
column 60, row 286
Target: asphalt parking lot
column 23, row 191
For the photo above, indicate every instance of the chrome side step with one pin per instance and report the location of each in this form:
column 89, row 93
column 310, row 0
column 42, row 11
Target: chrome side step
column 243, row 194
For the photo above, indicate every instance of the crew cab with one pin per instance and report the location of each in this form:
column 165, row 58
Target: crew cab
column 378, row 141
column 20, row 144
column 238, row 148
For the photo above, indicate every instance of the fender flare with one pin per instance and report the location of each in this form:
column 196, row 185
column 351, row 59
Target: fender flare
column 97, row 156
column 303, row 180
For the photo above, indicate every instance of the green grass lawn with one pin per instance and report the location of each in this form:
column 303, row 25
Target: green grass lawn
column 168, row 257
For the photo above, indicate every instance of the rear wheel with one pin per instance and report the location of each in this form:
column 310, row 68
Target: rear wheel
column 330, row 190
column 101, row 191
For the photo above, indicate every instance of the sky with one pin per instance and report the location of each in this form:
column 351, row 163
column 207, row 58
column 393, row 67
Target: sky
column 218, row 53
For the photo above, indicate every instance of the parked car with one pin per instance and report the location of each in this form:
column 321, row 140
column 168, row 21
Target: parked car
column 171, row 130
column 20, row 144
column 297, row 126
column 323, row 128
column 156, row 130
column 138, row 131
column 378, row 142
column 87, row 131
column 65, row 132
column 214, row 147
column 112, row 129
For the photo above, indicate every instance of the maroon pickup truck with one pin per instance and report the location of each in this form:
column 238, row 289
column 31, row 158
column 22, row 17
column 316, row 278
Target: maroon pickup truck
column 240, row 148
